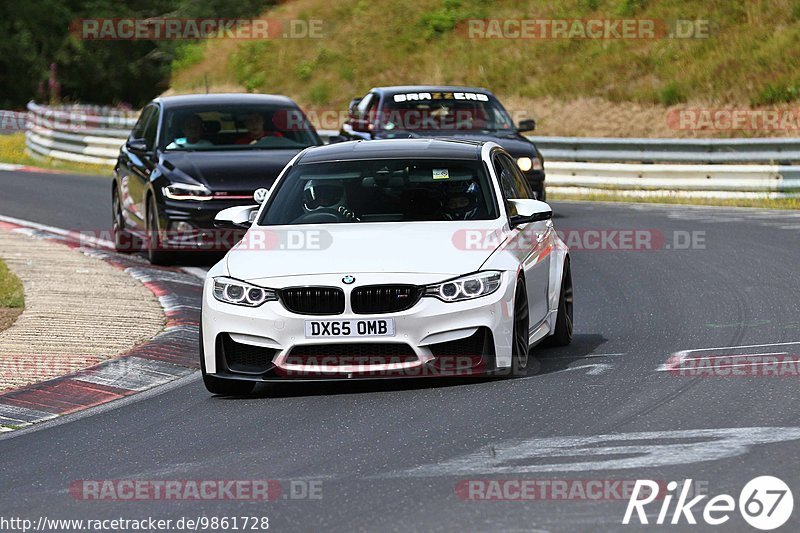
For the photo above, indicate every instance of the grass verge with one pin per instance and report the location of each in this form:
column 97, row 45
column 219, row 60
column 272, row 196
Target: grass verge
column 12, row 297
column 12, row 150
column 11, row 292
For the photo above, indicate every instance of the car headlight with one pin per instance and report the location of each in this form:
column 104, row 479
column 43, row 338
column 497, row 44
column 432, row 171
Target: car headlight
column 236, row 292
column 466, row 287
column 524, row 163
column 187, row 191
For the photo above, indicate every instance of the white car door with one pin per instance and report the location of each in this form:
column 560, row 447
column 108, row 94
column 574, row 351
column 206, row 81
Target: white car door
column 532, row 243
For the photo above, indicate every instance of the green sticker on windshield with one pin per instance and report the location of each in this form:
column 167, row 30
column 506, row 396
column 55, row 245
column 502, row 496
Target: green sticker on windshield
column 441, row 174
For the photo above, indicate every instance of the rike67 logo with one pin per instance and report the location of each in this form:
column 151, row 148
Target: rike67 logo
column 765, row 503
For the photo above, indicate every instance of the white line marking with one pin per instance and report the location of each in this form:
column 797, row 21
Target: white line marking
column 75, row 235
column 584, row 356
column 595, row 369
column 614, row 451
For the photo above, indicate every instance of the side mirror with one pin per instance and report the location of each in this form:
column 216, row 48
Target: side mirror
column 351, row 108
column 333, row 139
column 526, row 125
column 137, row 145
column 529, row 211
column 239, row 217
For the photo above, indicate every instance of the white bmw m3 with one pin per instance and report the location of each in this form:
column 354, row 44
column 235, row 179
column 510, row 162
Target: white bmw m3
column 390, row 258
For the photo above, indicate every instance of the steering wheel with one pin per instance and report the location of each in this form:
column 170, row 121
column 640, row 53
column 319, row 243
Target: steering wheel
column 320, row 216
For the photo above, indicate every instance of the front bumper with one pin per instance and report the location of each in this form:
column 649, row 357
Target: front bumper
column 432, row 338
column 188, row 225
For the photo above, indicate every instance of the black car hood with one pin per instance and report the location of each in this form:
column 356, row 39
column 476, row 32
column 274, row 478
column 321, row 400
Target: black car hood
column 513, row 143
column 230, row 170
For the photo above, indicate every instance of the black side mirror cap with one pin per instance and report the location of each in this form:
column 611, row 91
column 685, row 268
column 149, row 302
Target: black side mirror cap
column 516, row 220
column 351, row 108
column 137, row 145
column 526, row 125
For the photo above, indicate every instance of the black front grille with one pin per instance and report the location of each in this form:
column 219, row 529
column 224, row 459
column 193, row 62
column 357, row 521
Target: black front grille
column 352, row 354
column 313, row 300
column 376, row 299
column 246, row 358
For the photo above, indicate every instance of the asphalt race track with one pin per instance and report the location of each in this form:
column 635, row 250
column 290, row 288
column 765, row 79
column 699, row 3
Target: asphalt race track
column 396, row 456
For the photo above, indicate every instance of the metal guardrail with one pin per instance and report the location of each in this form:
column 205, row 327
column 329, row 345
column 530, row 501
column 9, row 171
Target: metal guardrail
column 622, row 176
column 773, row 151
column 91, row 134
column 85, row 134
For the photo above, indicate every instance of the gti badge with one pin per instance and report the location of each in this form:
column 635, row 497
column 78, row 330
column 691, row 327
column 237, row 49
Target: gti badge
column 260, row 195
column 347, row 280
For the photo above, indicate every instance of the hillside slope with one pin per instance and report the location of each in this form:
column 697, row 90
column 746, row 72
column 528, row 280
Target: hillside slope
column 751, row 57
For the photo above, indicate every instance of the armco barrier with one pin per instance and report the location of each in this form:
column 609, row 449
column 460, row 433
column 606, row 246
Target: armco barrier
column 91, row 134
column 775, row 151
column 85, row 134
column 609, row 176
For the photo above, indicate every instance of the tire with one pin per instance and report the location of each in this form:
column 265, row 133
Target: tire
column 155, row 255
column 124, row 241
column 520, row 347
column 222, row 387
column 562, row 335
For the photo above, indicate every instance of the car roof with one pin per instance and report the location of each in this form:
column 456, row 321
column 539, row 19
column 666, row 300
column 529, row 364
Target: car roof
column 393, row 148
column 224, row 99
column 395, row 89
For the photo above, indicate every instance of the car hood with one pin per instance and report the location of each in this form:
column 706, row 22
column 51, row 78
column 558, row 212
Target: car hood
column 352, row 248
column 513, row 143
column 229, row 170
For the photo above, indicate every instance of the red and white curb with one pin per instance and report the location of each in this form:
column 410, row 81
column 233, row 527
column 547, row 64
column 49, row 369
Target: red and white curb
column 170, row 355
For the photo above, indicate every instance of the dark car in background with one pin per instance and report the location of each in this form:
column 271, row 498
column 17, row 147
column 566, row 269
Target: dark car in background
column 188, row 157
column 444, row 111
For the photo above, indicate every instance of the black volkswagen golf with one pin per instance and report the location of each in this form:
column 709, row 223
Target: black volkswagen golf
column 188, row 157
column 444, row 111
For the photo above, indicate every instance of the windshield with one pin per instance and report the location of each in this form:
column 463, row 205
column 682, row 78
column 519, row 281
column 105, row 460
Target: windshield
column 443, row 111
column 384, row 190
column 237, row 127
